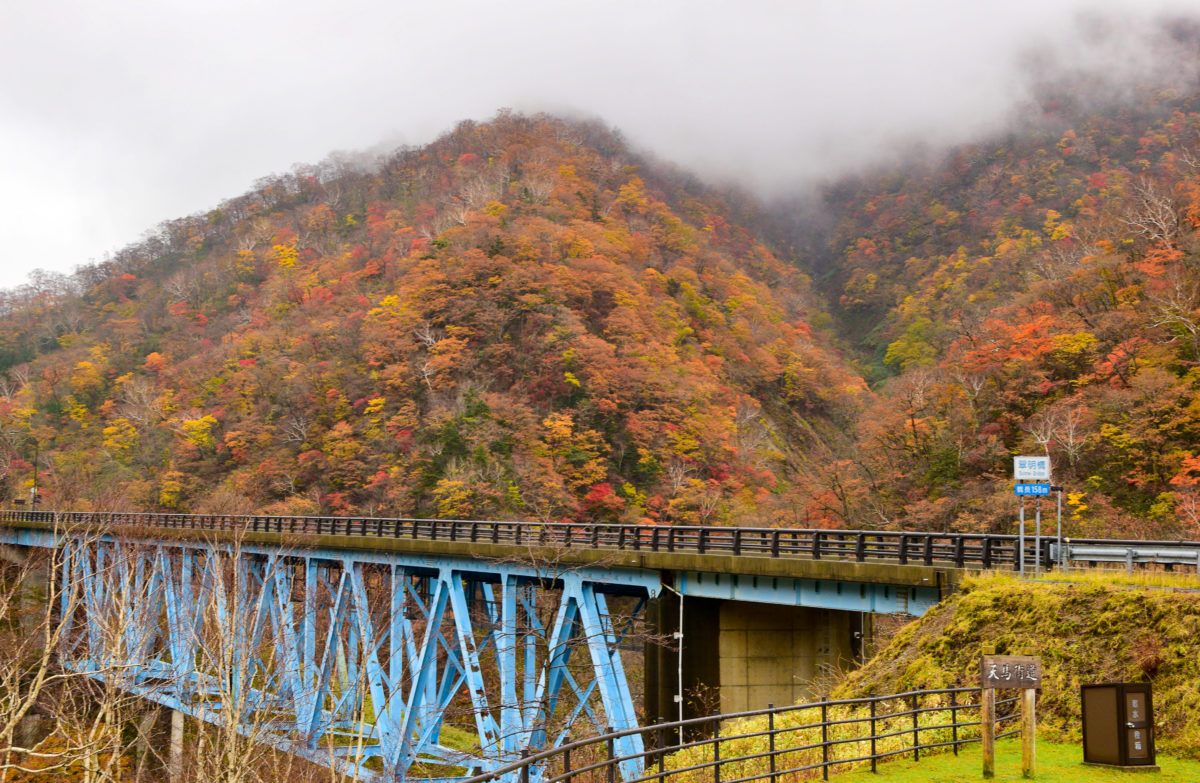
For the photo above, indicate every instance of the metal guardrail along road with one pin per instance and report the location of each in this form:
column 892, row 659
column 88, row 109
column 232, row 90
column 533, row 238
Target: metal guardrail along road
column 960, row 550
column 772, row 744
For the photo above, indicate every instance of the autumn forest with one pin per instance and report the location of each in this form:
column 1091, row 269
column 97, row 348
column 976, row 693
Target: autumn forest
column 528, row 319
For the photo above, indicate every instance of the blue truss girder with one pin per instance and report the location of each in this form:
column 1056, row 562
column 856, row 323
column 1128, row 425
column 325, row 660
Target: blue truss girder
column 816, row 593
column 342, row 657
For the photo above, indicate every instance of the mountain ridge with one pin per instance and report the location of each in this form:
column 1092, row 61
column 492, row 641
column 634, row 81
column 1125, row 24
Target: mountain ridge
column 511, row 321
column 526, row 319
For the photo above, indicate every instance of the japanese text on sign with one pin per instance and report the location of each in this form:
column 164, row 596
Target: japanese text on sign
column 1011, row 671
column 1031, row 468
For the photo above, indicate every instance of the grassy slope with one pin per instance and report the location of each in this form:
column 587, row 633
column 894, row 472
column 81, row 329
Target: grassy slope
column 1088, row 630
column 1055, row 764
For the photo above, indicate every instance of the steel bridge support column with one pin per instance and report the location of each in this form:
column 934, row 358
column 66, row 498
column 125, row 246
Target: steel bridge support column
column 342, row 657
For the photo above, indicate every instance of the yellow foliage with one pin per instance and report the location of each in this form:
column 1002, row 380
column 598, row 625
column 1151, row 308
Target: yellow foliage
column 340, row 444
column 578, row 247
column 78, row 412
column 120, row 436
column 1076, row 505
column 199, row 432
column 559, row 426
column 1073, row 344
column 285, row 256
column 1052, row 218
column 170, row 489
column 631, row 197
column 453, row 499
column 578, row 454
column 684, row 442
column 86, row 377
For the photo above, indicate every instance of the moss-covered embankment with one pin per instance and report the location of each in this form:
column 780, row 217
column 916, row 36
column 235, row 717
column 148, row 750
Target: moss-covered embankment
column 1087, row 631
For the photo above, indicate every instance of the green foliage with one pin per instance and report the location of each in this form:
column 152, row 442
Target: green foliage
column 1087, row 630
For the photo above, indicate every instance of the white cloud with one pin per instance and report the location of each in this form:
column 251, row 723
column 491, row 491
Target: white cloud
column 115, row 116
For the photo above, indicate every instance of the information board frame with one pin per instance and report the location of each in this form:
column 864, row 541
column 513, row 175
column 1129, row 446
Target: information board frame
column 1031, row 468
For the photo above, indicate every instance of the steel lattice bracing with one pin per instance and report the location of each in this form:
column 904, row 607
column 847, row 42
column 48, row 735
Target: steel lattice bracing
column 363, row 660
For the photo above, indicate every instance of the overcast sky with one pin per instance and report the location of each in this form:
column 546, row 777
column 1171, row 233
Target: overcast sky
column 117, row 115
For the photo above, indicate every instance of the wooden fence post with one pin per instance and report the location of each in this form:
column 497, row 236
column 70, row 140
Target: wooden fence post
column 988, row 730
column 1029, row 733
column 1018, row 672
column 954, row 720
column 916, row 722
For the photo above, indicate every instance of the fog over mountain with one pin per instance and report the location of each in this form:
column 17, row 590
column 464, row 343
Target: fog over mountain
column 123, row 116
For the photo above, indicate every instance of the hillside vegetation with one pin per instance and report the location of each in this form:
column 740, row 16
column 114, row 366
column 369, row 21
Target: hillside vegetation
column 525, row 319
column 1085, row 632
column 1033, row 293
column 521, row 320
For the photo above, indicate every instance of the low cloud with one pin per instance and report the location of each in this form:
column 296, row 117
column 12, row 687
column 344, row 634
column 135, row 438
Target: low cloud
column 113, row 118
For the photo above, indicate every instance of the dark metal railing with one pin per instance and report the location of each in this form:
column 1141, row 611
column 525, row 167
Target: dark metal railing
column 803, row 740
column 961, row 550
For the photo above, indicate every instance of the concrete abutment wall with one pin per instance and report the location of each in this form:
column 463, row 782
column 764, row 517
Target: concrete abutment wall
column 740, row 656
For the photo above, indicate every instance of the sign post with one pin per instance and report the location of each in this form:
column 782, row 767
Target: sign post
column 1027, row 470
column 1021, row 541
column 1037, row 537
column 1058, row 532
column 988, row 731
column 1023, row 672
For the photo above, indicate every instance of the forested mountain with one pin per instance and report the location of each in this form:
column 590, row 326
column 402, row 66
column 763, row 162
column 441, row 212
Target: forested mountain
column 525, row 319
column 521, row 320
column 1038, row 292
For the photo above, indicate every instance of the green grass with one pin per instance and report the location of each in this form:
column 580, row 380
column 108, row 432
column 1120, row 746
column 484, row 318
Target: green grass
column 1096, row 627
column 1171, row 580
column 1055, row 764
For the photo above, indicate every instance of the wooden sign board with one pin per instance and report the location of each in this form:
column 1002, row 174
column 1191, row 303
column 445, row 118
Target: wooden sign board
column 1011, row 671
column 1023, row 672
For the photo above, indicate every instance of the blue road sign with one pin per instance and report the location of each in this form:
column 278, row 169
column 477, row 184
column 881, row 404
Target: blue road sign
column 1033, row 489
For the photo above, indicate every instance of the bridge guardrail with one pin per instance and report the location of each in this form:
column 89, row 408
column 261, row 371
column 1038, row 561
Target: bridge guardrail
column 1141, row 553
column 984, row 550
column 771, row 743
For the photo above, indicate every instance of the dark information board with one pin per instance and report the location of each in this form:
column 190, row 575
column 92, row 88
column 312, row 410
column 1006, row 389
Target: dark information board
column 1118, row 724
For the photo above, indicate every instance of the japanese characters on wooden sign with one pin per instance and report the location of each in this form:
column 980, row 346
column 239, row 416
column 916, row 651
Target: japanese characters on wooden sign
column 1011, row 671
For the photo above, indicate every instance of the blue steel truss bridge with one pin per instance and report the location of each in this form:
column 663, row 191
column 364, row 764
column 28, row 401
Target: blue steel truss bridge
column 441, row 649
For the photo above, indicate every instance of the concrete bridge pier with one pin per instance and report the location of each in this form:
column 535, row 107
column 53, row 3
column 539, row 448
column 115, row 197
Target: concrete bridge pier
column 175, row 749
column 740, row 655
column 32, row 569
